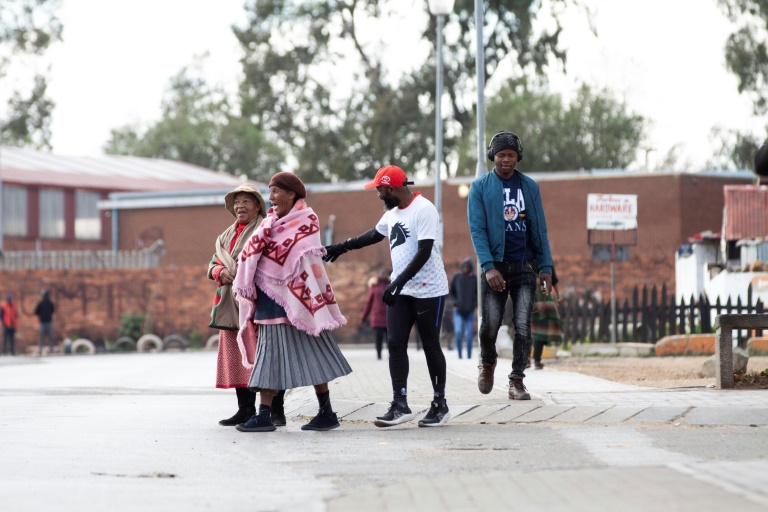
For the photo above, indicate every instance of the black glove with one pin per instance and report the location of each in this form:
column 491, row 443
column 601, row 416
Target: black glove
column 390, row 294
column 370, row 237
column 334, row 251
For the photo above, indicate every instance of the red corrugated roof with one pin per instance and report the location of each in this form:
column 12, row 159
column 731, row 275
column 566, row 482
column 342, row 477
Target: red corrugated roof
column 746, row 212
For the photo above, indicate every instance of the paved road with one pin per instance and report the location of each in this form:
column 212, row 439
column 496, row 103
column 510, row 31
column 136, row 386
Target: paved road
column 138, row 432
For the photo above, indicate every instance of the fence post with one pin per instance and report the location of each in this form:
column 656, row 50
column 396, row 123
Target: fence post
column 740, row 341
column 625, row 320
column 705, row 314
column 635, row 314
column 663, row 312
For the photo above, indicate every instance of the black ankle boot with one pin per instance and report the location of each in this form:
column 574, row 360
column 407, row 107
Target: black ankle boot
column 323, row 421
column 246, row 407
column 261, row 422
column 278, row 409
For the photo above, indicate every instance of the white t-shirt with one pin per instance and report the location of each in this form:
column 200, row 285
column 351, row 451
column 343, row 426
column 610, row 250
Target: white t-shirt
column 404, row 227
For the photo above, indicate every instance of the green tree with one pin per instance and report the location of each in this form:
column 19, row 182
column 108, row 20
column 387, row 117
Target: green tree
column 746, row 50
column 299, row 98
column 746, row 56
column 27, row 29
column 289, row 46
column 199, row 126
column 594, row 131
column 735, row 149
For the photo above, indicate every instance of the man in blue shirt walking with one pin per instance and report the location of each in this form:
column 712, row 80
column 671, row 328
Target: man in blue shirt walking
column 509, row 234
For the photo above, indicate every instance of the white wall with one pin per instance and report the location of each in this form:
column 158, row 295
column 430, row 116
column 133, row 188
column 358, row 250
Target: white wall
column 691, row 273
column 735, row 284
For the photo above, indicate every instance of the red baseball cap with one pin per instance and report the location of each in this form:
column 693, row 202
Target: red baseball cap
column 389, row 176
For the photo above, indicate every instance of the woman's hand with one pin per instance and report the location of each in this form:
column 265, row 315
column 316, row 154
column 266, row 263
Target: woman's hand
column 225, row 277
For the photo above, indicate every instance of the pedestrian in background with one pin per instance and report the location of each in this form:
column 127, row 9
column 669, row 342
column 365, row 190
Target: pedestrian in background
column 376, row 310
column 10, row 323
column 509, row 234
column 44, row 312
column 464, row 294
column 546, row 325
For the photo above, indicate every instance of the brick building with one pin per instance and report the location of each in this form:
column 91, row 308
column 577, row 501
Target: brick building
column 671, row 208
column 49, row 206
column 50, row 202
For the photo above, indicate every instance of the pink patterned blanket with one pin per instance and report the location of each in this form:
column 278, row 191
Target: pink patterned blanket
column 284, row 259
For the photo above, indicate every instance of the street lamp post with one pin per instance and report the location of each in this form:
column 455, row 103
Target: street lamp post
column 481, row 168
column 439, row 8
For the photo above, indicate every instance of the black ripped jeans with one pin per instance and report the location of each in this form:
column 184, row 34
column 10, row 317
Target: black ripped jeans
column 520, row 279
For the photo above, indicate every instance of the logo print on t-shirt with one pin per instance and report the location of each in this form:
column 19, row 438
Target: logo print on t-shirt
column 510, row 212
column 398, row 235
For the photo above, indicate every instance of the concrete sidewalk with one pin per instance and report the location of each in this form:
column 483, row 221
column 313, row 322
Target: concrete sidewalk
column 557, row 397
column 138, row 432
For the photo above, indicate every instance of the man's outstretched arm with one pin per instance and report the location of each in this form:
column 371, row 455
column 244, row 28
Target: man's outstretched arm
column 368, row 238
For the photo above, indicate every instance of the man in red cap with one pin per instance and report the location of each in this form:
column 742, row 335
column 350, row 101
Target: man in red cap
column 416, row 294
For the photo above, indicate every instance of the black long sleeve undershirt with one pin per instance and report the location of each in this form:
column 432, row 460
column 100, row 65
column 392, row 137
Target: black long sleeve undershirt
column 419, row 259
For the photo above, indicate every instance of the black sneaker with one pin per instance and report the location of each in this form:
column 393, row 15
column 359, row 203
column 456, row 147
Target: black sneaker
column 437, row 416
column 396, row 415
column 261, row 422
column 322, row 422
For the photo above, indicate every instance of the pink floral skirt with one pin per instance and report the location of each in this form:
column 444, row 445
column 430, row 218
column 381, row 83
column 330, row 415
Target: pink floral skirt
column 230, row 372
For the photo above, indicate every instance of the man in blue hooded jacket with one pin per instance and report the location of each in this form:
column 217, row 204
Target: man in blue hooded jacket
column 509, row 234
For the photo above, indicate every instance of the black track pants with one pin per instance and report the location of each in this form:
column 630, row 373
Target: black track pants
column 427, row 314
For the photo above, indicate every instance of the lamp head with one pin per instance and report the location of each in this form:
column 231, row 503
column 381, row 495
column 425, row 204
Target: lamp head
column 441, row 7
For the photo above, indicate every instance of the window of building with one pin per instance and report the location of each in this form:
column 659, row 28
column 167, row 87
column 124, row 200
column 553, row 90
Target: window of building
column 87, row 217
column 51, row 213
column 603, row 253
column 14, row 211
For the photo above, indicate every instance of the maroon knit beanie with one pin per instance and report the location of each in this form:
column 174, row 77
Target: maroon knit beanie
column 289, row 181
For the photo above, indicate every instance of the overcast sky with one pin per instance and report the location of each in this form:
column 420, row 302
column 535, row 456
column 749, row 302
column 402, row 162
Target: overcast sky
column 118, row 56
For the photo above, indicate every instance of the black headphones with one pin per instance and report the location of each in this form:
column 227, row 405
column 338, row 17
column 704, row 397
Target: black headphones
column 512, row 139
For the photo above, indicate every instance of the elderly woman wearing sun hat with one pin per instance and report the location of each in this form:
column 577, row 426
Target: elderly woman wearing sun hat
column 247, row 206
column 283, row 288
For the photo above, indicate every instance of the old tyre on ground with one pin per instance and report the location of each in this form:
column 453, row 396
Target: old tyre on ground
column 83, row 346
column 124, row 344
column 175, row 341
column 212, row 343
column 149, row 342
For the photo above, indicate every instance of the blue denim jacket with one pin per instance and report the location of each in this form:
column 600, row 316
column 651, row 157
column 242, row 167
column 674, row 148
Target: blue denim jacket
column 486, row 222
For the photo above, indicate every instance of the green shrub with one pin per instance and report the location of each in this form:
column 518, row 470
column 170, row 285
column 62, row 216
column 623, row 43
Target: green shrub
column 195, row 338
column 132, row 324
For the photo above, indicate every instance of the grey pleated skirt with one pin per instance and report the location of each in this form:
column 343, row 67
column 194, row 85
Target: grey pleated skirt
column 287, row 358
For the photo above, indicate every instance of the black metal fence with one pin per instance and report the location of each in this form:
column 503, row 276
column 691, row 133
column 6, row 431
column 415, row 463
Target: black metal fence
column 648, row 316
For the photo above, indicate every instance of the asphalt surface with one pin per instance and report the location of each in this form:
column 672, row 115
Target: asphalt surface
column 139, row 432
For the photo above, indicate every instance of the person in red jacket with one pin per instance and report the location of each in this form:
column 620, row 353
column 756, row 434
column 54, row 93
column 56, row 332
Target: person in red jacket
column 376, row 309
column 10, row 322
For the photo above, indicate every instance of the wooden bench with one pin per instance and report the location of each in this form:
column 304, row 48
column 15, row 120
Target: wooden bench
column 724, row 326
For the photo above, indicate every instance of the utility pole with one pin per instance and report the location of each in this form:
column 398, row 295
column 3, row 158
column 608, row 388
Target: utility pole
column 480, row 74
